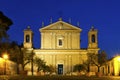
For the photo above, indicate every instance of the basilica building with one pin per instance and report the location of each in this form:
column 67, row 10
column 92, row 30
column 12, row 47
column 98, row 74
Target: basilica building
column 60, row 45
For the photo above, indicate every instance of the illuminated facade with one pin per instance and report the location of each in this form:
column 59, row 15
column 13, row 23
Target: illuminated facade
column 60, row 45
column 7, row 67
column 112, row 67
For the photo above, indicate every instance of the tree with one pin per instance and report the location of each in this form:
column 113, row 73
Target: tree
column 13, row 50
column 26, row 56
column 102, row 59
column 40, row 64
column 15, row 54
column 79, row 67
column 4, row 47
column 21, row 56
column 92, row 59
column 97, row 59
column 5, row 22
column 51, row 69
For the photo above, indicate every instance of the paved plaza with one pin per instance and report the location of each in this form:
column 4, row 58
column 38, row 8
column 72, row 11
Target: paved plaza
column 58, row 78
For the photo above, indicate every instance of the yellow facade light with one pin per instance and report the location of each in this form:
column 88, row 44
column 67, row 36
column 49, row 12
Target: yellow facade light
column 1, row 60
column 118, row 58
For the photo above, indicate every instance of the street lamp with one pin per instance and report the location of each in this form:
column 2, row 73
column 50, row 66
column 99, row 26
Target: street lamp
column 5, row 57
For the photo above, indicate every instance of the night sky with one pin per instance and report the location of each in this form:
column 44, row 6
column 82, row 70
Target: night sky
column 103, row 14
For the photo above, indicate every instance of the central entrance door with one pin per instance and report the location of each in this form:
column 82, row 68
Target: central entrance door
column 60, row 69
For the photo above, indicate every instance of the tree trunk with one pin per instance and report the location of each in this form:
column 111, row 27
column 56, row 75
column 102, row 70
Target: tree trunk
column 32, row 66
column 98, row 68
column 38, row 69
column 18, row 68
column 23, row 67
column 88, row 68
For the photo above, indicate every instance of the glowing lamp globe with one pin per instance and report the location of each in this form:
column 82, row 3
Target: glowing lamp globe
column 5, row 56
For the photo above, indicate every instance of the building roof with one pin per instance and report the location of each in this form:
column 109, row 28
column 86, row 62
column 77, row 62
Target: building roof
column 60, row 25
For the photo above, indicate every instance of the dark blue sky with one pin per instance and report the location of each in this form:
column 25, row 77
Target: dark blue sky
column 103, row 14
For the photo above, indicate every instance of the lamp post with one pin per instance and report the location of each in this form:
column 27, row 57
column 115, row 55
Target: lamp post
column 5, row 57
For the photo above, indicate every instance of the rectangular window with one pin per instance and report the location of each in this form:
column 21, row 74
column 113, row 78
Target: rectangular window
column 60, row 42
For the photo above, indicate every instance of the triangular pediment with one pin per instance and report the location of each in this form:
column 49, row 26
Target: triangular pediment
column 60, row 25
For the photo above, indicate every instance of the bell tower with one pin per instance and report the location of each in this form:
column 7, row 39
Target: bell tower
column 28, row 38
column 92, row 38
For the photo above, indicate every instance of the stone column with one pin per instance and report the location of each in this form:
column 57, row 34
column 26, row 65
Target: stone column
column 53, row 41
column 69, row 41
column 42, row 40
column 78, row 40
column 66, row 64
column 70, row 63
column 51, row 59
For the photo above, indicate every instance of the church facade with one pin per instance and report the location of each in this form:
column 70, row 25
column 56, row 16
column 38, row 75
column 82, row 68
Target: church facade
column 60, row 45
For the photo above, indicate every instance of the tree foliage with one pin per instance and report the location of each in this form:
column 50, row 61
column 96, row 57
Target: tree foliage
column 39, row 63
column 20, row 55
column 102, row 58
column 5, row 22
column 51, row 69
column 96, row 59
column 4, row 47
column 16, row 54
column 27, row 57
column 13, row 51
column 92, row 59
column 79, row 67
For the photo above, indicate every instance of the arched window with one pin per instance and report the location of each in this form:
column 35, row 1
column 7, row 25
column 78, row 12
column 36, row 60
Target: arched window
column 60, row 42
column 27, row 38
column 93, row 38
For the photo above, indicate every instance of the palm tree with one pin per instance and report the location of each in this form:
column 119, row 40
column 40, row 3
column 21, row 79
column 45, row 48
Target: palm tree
column 40, row 64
